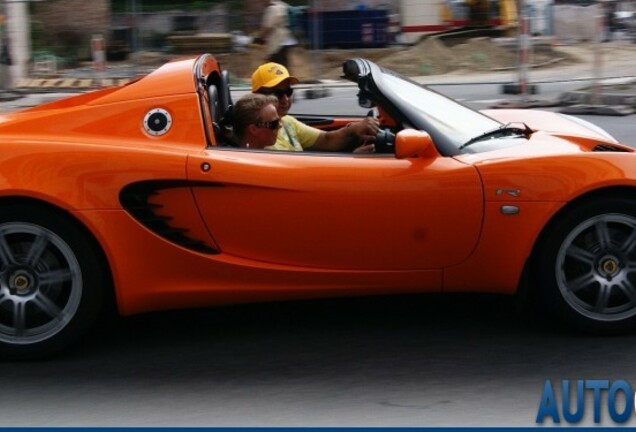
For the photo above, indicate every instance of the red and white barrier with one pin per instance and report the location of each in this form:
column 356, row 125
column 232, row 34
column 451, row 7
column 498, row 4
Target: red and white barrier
column 525, row 47
column 598, row 60
column 98, row 49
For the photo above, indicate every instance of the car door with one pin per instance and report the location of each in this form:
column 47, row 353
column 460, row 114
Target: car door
column 334, row 211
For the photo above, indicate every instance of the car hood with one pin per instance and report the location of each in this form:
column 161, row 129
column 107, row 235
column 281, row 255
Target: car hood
column 552, row 167
column 554, row 135
column 548, row 121
column 546, row 144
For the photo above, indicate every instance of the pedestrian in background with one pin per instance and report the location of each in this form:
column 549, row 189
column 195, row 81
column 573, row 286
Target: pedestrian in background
column 275, row 32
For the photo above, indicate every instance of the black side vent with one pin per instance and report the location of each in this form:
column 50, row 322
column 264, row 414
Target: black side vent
column 134, row 198
column 609, row 148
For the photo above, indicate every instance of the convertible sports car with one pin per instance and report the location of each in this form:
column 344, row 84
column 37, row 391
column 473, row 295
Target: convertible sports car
column 129, row 194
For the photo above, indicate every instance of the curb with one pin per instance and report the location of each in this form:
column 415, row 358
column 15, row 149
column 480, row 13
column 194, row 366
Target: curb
column 527, row 103
column 7, row 96
column 317, row 92
column 605, row 110
column 515, row 88
column 66, row 84
column 584, row 98
column 574, row 102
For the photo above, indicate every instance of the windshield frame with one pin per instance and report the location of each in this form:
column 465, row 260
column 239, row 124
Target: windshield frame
column 422, row 108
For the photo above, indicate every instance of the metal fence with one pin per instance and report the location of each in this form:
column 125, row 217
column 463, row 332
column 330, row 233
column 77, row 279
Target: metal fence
column 42, row 45
column 232, row 35
column 325, row 32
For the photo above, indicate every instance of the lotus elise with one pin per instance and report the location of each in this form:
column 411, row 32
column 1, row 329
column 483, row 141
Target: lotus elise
column 130, row 194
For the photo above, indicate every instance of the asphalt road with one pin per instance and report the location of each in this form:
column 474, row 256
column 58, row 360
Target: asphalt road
column 384, row 361
column 463, row 360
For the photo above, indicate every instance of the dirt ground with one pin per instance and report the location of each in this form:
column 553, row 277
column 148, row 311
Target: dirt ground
column 429, row 57
column 433, row 57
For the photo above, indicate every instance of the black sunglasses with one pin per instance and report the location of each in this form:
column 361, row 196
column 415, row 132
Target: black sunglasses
column 273, row 124
column 280, row 93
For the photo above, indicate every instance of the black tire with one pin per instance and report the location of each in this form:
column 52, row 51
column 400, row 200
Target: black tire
column 52, row 282
column 586, row 266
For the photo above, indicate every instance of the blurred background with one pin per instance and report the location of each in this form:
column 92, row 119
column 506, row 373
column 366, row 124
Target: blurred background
column 415, row 37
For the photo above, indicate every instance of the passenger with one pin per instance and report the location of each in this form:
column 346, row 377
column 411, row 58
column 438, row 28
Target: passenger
column 255, row 121
column 274, row 79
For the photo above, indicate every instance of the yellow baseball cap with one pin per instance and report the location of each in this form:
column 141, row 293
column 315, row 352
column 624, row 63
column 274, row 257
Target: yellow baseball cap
column 269, row 75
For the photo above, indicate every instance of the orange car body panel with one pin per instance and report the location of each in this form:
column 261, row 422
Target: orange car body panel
column 151, row 274
column 539, row 179
column 334, row 212
column 290, row 225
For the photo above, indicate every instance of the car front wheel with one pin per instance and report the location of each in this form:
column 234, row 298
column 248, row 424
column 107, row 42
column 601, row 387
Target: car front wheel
column 50, row 282
column 587, row 266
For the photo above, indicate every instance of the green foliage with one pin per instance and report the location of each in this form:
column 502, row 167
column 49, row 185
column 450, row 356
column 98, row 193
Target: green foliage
column 63, row 44
column 39, row 40
column 71, row 45
column 426, row 69
column 156, row 40
column 479, row 58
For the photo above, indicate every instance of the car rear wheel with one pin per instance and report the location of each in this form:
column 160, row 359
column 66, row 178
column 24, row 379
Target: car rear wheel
column 51, row 282
column 587, row 266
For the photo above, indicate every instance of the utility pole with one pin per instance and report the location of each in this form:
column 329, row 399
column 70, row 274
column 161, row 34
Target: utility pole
column 18, row 32
column 522, row 86
column 316, row 33
column 596, row 98
column 4, row 73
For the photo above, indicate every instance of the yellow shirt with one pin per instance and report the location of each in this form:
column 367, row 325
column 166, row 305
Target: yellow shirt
column 295, row 135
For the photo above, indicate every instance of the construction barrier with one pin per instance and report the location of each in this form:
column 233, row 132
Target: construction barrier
column 98, row 49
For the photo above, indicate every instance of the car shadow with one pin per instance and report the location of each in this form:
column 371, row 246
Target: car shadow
column 423, row 355
column 259, row 338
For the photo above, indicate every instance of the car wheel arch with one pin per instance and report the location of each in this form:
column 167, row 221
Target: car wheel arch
column 45, row 205
column 590, row 196
column 37, row 204
column 530, row 287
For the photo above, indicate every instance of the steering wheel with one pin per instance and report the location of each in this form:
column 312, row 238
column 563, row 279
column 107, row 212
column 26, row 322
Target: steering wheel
column 385, row 139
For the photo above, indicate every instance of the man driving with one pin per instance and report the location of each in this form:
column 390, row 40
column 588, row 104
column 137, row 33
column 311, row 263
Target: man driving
column 274, row 79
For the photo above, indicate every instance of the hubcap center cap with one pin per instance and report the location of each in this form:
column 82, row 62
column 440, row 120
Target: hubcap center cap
column 21, row 283
column 609, row 266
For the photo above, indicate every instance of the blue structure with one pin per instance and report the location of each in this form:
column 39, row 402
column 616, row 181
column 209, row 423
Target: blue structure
column 346, row 29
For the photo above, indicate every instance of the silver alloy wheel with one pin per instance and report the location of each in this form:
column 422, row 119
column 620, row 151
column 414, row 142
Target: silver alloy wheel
column 596, row 268
column 40, row 283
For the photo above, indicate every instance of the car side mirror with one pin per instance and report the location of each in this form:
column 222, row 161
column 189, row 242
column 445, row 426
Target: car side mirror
column 410, row 143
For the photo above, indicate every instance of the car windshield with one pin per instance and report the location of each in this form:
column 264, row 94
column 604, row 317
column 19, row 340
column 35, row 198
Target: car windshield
column 435, row 113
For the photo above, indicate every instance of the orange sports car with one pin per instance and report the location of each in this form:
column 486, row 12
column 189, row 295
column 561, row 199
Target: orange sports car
column 128, row 193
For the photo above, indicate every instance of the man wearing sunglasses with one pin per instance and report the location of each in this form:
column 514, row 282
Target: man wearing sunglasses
column 255, row 121
column 274, row 79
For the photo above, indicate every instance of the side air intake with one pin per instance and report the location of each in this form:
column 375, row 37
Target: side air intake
column 135, row 199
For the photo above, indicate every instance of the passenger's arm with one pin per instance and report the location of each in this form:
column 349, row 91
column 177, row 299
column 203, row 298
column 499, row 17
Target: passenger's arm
column 346, row 138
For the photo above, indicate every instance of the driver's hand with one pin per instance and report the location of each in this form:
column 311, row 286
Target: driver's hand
column 366, row 148
column 366, row 129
